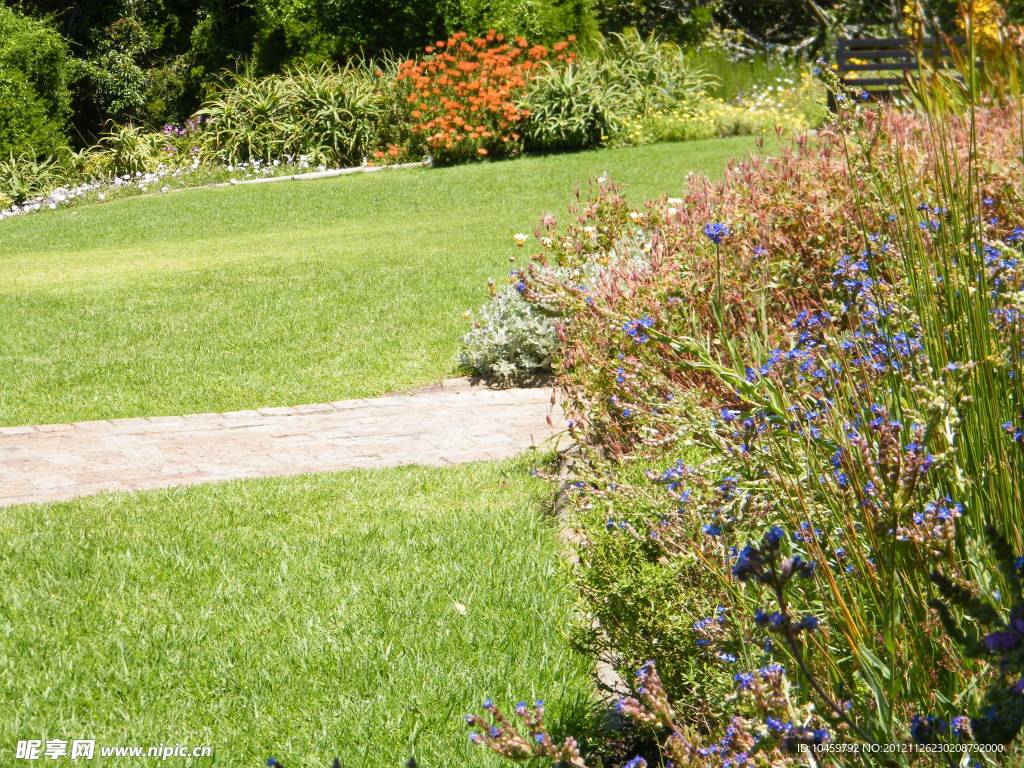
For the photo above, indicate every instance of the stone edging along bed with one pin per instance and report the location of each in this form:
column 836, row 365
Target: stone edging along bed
column 324, row 174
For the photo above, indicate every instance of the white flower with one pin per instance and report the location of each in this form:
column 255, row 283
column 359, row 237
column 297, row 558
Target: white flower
column 635, row 216
column 520, row 238
column 675, row 201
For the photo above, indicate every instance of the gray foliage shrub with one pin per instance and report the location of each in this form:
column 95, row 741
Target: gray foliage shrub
column 510, row 339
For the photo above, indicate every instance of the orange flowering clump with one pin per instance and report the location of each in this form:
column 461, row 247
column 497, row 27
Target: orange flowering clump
column 394, row 154
column 463, row 95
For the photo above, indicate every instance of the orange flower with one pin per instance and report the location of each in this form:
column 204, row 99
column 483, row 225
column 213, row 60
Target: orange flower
column 479, row 78
column 481, row 150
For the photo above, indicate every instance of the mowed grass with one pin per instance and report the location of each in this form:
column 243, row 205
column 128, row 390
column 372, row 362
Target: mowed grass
column 300, row 618
column 278, row 294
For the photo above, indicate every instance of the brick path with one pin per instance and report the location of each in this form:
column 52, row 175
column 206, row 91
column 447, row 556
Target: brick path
column 451, row 423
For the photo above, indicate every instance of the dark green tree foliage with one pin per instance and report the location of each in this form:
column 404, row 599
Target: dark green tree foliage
column 147, row 60
column 35, row 99
column 681, row 21
column 338, row 29
column 805, row 27
column 153, row 61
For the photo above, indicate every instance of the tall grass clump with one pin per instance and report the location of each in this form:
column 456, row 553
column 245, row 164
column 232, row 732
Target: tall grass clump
column 813, row 502
column 735, row 76
column 326, row 114
column 590, row 101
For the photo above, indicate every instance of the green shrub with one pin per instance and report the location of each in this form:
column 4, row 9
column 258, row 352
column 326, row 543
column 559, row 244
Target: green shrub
column 683, row 21
column 597, row 97
column 24, row 121
column 127, row 149
column 35, row 99
column 541, row 21
column 118, row 85
column 635, row 597
column 654, row 72
column 23, row 177
column 573, row 107
column 326, row 114
column 339, row 29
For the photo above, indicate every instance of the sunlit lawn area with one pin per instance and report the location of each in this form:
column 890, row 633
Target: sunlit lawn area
column 277, row 294
column 300, row 618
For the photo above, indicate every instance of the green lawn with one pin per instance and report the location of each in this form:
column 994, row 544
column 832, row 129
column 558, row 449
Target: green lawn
column 300, row 618
column 277, row 294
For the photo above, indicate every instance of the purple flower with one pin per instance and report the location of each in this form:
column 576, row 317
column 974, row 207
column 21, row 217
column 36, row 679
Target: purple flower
column 1001, row 642
column 716, row 232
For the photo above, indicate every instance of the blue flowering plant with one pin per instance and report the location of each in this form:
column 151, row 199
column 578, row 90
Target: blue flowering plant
column 988, row 631
column 731, row 263
column 529, row 741
column 814, row 493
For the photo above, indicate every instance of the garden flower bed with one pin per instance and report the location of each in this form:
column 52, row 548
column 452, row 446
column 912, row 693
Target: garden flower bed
column 798, row 394
column 462, row 99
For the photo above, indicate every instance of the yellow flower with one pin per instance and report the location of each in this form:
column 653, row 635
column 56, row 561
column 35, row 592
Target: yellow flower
column 520, row 239
column 987, row 23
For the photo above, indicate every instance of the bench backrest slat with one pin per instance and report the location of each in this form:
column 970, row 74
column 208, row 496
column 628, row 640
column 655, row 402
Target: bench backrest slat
column 882, row 56
column 865, row 82
column 890, row 58
column 892, row 54
column 895, row 66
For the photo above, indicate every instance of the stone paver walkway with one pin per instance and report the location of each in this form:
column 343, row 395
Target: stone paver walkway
column 447, row 424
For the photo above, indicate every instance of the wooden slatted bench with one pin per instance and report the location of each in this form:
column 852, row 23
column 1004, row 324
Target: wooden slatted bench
column 888, row 60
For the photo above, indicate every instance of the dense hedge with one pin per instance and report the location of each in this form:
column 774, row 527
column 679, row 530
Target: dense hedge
column 340, row 29
column 34, row 95
column 155, row 61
